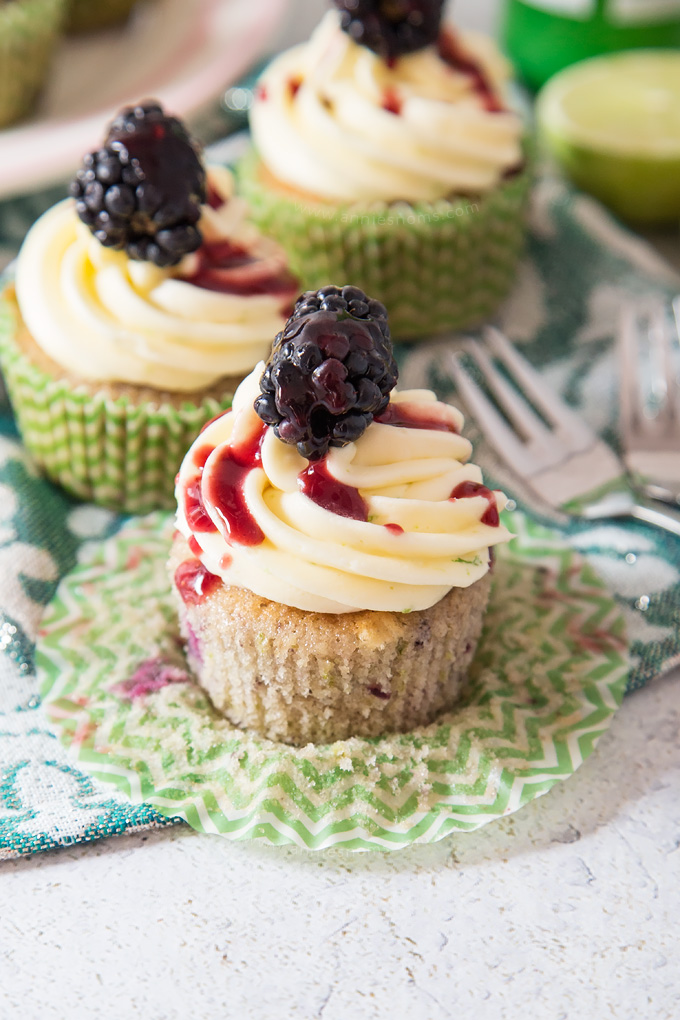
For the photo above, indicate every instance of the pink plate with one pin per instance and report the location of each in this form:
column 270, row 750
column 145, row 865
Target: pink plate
column 181, row 53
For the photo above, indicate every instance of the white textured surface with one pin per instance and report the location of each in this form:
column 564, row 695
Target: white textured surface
column 568, row 909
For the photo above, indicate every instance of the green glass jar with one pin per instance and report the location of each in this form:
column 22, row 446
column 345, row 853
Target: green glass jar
column 543, row 36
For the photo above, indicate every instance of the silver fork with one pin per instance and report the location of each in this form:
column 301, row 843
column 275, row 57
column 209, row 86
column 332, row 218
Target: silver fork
column 560, row 458
column 650, row 428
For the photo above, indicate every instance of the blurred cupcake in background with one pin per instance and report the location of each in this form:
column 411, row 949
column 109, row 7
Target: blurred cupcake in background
column 385, row 153
column 138, row 306
column 90, row 15
column 29, row 30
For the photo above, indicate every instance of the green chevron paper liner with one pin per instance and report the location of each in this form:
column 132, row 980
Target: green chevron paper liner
column 28, row 32
column 109, row 450
column 549, row 674
column 436, row 266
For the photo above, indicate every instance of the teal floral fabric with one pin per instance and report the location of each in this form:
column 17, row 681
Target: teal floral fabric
column 579, row 265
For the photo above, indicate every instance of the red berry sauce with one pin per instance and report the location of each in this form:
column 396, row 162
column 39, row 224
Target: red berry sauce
column 392, row 101
column 194, row 582
column 201, row 454
column 406, row 416
column 149, row 677
column 195, row 512
column 468, row 489
column 224, row 489
column 230, row 269
column 213, row 197
column 452, row 53
column 317, row 483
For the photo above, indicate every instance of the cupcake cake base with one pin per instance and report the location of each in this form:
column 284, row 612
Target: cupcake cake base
column 300, row 677
column 437, row 266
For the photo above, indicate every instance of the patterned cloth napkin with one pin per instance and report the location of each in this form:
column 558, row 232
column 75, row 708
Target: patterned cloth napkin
column 579, row 265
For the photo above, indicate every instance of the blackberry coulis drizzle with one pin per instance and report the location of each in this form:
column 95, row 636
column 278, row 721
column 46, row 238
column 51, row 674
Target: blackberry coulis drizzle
column 330, row 373
column 142, row 191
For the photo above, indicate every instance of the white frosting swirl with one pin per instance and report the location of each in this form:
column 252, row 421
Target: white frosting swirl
column 320, row 124
column 103, row 316
column 314, row 559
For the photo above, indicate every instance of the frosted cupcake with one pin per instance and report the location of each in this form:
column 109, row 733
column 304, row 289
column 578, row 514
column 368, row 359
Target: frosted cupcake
column 331, row 564
column 384, row 152
column 137, row 309
column 29, row 30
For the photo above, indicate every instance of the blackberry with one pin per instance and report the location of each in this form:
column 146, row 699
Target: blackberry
column 330, row 372
column 392, row 28
column 143, row 190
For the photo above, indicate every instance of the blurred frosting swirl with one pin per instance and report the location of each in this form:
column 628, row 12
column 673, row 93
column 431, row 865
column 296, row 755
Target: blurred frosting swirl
column 411, row 544
column 333, row 119
column 103, row 316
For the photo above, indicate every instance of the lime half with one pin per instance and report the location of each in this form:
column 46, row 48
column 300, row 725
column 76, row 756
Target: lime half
column 613, row 123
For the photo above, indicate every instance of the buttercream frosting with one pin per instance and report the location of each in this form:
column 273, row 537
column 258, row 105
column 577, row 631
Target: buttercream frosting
column 103, row 316
column 333, row 119
column 266, row 533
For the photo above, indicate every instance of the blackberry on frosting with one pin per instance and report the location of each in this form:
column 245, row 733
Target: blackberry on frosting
column 391, row 28
column 330, row 372
column 143, row 190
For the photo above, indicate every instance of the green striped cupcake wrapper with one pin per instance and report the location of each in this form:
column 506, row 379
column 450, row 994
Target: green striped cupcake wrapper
column 549, row 674
column 108, row 450
column 29, row 30
column 436, row 266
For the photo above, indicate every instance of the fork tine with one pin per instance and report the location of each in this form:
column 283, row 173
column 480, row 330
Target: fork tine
column 491, row 422
column 630, row 396
column 672, row 384
column 510, row 401
column 650, row 323
column 545, row 399
column 661, row 362
column 676, row 314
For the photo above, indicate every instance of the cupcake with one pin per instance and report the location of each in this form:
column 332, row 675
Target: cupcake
column 29, row 30
column 384, row 152
column 91, row 15
column 331, row 559
column 138, row 307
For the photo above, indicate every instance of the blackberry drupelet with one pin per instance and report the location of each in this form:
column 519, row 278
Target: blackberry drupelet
column 143, row 190
column 392, row 28
column 330, row 372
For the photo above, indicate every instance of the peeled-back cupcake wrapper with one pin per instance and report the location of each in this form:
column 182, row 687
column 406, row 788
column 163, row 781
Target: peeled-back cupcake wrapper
column 28, row 32
column 549, row 673
column 105, row 449
column 436, row 266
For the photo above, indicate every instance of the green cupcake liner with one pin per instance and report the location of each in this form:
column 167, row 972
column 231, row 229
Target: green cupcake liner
column 548, row 676
column 437, row 266
column 110, row 450
column 29, row 30
column 90, row 15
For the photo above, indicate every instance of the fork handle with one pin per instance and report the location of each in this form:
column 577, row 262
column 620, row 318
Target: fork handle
column 625, row 505
column 650, row 512
column 670, row 495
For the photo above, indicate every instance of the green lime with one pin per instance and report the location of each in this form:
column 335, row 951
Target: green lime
column 613, row 123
